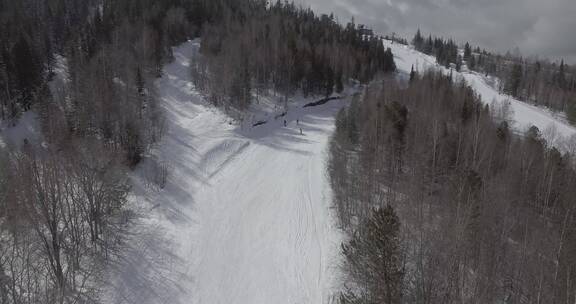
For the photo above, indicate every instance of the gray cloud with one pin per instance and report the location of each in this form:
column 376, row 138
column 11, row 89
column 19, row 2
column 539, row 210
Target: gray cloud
column 544, row 28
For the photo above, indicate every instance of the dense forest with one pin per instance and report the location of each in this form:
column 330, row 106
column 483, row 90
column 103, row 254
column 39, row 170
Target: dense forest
column 537, row 81
column 440, row 200
column 443, row 203
column 87, row 70
column 63, row 201
column 286, row 49
column 445, row 51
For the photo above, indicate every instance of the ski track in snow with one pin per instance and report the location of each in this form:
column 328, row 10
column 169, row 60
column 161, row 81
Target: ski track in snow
column 248, row 208
column 524, row 114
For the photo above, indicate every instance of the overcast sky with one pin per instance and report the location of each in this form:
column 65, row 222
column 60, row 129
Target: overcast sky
column 537, row 27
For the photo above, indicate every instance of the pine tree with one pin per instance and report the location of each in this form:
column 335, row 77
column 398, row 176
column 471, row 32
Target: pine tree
column 571, row 112
column 139, row 81
column 412, row 74
column 428, row 46
column 375, row 259
column 561, row 76
column 471, row 63
column 352, row 127
column 328, row 81
column 514, row 80
column 389, row 64
column 28, row 70
column 339, row 83
column 467, row 51
column 241, row 90
column 418, row 40
column 458, row 64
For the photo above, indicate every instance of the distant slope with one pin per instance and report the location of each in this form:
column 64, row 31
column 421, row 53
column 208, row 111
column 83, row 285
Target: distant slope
column 524, row 114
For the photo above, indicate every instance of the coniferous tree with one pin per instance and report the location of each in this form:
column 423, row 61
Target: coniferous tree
column 471, row 62
column 139, row 81
column 513, row 83
column 28, row 71
column 467, row 51
column 418, row 40
column 571, row 113
column 374, row 259
column 561, row 76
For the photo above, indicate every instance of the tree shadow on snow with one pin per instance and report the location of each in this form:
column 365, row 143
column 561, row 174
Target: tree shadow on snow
column 315, row 123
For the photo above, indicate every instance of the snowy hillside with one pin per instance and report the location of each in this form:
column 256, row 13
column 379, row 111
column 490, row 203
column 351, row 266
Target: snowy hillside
column 524, row 114
column 248, row 207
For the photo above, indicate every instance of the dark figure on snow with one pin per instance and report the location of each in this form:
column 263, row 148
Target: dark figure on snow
column 284, row 122
column 301, row 131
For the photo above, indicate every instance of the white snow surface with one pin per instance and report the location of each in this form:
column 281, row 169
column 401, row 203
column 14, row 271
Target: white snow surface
column 248, row 209
column 524, row 114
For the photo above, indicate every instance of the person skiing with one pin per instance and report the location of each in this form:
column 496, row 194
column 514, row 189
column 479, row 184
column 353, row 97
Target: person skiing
column 284, row 122
column 301, row 131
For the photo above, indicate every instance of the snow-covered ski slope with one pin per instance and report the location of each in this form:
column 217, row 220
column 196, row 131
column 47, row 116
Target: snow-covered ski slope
column 524, row 114
column 248, row 207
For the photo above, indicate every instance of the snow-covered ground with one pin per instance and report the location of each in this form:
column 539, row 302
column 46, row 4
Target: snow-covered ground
column 248, row 208
column 523, row 114
column 27, row 127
